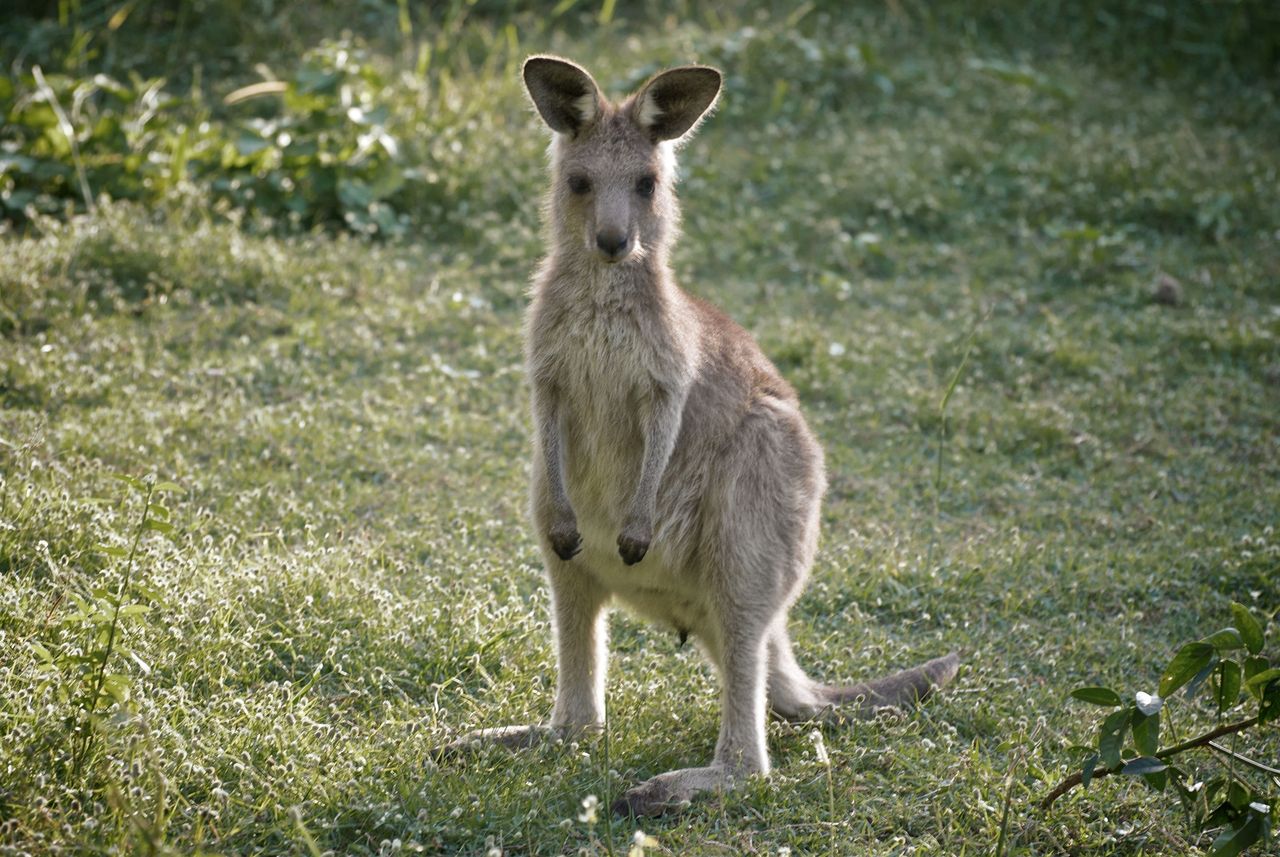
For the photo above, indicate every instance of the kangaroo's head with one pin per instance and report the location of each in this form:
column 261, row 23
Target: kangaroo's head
column 613, row 165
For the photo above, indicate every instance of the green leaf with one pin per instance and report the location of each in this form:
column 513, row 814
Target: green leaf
column 1270, row 708
column 163, row 487
column 249, row 144
column 1226, row 640
column 1143, row 765
column 159, row 526
column 112, row 550
column 1193, row 686
column 1190, row 659
column 117, row 687
column 1228, row 684
column 1250, row 630
column 1146, row 733
column 1254, row 666
column 1158, row 781
column 1086, row 773
column 354, row 194
column 1259, row 679
column 1221, row 814
column 1097, row 696
column 1233, row 840
column 148, row 592
column 1111, row 736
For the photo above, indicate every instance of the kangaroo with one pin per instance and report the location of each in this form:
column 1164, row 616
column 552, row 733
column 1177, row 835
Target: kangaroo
column 673, row 470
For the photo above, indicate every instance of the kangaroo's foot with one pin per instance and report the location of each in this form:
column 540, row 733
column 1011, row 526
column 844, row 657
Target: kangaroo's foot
column 674, row 790
column 508, row 737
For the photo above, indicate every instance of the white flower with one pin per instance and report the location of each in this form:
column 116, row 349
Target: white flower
column 784, row 851
column 639, row 842
column 819, row 748
column 588, row 814
column 1147, row 703
column 835, row 349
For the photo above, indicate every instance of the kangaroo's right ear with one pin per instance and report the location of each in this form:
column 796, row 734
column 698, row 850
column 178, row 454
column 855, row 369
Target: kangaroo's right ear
column 565, row 95
column 673, row 102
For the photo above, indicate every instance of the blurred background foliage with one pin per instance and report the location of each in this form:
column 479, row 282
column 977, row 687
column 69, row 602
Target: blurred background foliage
column 287, row 115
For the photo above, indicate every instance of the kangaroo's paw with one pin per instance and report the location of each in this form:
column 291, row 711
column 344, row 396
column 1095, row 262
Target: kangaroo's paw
column 672, row 791
column 566, row 541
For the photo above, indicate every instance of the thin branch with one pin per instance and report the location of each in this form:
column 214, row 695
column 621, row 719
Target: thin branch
column 1075, row 779
column 1245, row 760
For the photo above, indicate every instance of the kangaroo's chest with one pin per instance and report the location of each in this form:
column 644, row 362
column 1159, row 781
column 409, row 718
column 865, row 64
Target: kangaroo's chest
column 602, row 375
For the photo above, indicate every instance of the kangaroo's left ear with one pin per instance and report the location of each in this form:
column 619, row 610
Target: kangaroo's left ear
column 564, row 93
column 672, row 102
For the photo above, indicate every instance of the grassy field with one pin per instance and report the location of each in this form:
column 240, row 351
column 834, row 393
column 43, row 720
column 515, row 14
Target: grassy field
column 1086, row 240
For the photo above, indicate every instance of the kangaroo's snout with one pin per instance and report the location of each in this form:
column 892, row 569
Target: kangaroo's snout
column 612, row 244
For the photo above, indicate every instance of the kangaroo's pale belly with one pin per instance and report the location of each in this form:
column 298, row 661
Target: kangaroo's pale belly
column 663, row 586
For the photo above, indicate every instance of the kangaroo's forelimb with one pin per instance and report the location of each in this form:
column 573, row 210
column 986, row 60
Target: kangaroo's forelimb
column 663, row 412
column 549, row 418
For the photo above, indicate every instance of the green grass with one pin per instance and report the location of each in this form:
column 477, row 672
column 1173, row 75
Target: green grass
column 352, row 581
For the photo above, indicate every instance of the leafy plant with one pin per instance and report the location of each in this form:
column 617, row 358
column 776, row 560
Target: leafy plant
column 321, row 155
column 92, row 639
column 327, row 153
column 1236, row 676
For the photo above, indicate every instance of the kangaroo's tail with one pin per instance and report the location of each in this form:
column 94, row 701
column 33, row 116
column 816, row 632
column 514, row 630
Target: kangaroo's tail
column 899, row 690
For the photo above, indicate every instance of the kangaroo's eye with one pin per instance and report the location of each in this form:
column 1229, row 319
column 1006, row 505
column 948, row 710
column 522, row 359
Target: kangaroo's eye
column 579, row 184
column 645, row 185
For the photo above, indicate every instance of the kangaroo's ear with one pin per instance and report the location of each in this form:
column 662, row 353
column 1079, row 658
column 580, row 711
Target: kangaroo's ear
column 672, row 102
column 563, row 92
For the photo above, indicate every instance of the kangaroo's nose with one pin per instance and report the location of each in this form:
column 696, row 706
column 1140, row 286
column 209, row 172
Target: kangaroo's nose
column 611, row 243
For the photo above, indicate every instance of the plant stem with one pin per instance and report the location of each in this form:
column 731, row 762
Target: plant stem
column 91, row 705
column 831, row 802
column 942, row 411
column 1074, row 780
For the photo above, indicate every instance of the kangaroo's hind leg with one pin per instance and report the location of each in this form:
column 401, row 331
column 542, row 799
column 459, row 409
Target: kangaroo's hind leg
column 792, row 694
column 737, row 642
column 758, row 540
column 581, row 632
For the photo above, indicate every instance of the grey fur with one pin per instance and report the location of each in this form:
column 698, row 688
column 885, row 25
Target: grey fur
column 673, row 470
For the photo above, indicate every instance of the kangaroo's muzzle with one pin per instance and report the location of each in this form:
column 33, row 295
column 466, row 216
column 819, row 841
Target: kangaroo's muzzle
column 613, row 246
